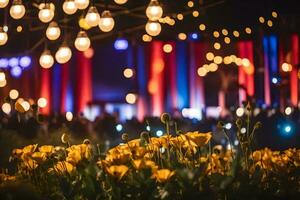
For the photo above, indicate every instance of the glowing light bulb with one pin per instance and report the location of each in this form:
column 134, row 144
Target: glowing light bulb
column 46, row 14
column 63, row 54
column 69, row 116
column 46, row 60
column 82, row 4
column 3, row 3
column 106, row 23
column 120, row 2
column 153, row 28
column 6, row 108
column 92, row 17
column 42, row 102
column 3, row 37
column 131, row 98
column 240, row 112
column 13, row 94
column 2, row 76
column 154, row 11
column 53, row 31
column 82, row 42
column 128, row 73
column 17, row 10
column 69, row 7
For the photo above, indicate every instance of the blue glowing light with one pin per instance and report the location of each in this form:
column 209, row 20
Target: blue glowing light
column 228, row 126
column 3, row 63
column 194, row 36
column 119, row 127
column 25, row 61
column 13, row 62
column 121, row 44
column 274, row 80
column 287, row 129
column 159, row 133
column 148, row 128
column 16, row 71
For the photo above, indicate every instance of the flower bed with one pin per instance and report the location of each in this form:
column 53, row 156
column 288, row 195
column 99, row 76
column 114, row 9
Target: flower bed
column 174, row 166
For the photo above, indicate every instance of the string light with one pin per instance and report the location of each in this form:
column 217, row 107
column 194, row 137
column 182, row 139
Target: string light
column 153, row 28
column 131, row 98
column 147, row 38
column 82, row 4
column 202, row 27
column 154, row 11
column 167, row 48
column 3, row 37
column 261, row 20
column 270, row 23
column 274, row 14
column 120, row 2
column 3, row 3
column 106, row 23
column 42, row 102
column 180, row 16
column 17, row 10
column 286, row 67
column 202, row 71
column 190, row 4
column 218, row 60
column 246, row 62
column 195, row 13
column 210, row 56
column 46, row 14
column 213, row 67
column 224, row 32
column 63, row 55
column 53, row 31
column 69, row 7
column 216, row 34
column 69, row 116
column 248, row 30
column 6, row 108
column 236, row 34
column 227, row 40
column 2, row 76
column 13, row 94
column 92, row 17
column 217, row 45
column 82, row 42
column 46, row 59
column 128, row 73
column 19, row 29
column 182, row 36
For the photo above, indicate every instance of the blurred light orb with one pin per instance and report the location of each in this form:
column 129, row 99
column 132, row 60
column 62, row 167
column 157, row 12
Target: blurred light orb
column 194, row 36
column 246, row 62
column 131, row 98
column 190, row 4
column 159, row 133
column 25, row 105
column 92, row 17
column 2, row 76
column 270, row 23
column 228, row 126
column 179, row 16
column 167, row 48
column 120, row 2
column 274, row 14
column 17, row 10
column 224, row 31
column 82, row 4
column 3, row 63
column 42, row 102
column 46, row 60
column 154, row 11
column 274, row 80
column 25, row 61
column 288, row 110
column 248, row 30
column 217, row 45
column 119, row 127
column 210, row 56
column 16, row 71
column 3, row 83
column 213, row 67
column 261, row 20
column 13, row 62
column 202, row 27
column 286, row 67
column 216, row 34
column 195, row 13
column 236, row 34
column 46, row 14
column 3, row 3
column 128, row 73
column 147, row 38
column 6, row 108
column 69, row 116
column 243, row 130
column 182, row 36
column 227, row 40
column 13, row 94
column 153, row 28
column 121, row 44
column 89, row 53
column 69, row 7
column 240, row 112
column 3, row 37
column 218, row 60
column 106, row 23
column 82, row 42
column 19, row 29
column 202, row 71
column 63, row 55
column 53, row 31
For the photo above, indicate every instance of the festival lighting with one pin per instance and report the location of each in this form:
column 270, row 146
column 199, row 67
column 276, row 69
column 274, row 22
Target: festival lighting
column 13, row 62
column 3, row 83
column 180, row 16
column 243, row 130
column 16, row 71
column 148, row 128
column 236, row 34
column 46, row 14
column 261, row 20
column 82, row 4
column 131, row 98
column 63, row 55
column 202, row 71
column 69, row 116
column 195, row 13
column 121, row 44
column 120, row 2
column 224, row 31
column 25, row 61
column 82, row 42
column 182, row 36
column 3, row 3
column 106, row 23
column 270, row 23
column 128, row 73
column 19, row 29
column 228, row 126
column 147, row 38
column 190, row 4
column 6, row 108
column 53, row 31
column 69, row 7
column 194, row 36
column 286, row 67
column 3, row 63
column 216, row 34
column 210, row 56
column 92, row 17
column 46, row 60
column 248, row 30
column 288, row 110
column 154, row 11
column 3, row 37
column 202, row 27
column 240, row 112
column 159, row 133
column 274, row 80
column 274, row 14
column 2, row 76
column 13, row 94
column 17, row 10
column 42, row 102
column 167, row 48
column 153, row 28
column 217, row 45
column 119, row 127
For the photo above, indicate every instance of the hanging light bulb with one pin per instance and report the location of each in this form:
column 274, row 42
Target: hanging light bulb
column 63, row 54
column 154, row 11
column 92, row 17
column 53, row 31
column 69, row 7
column 3, row 3
column 3, row 37
column 46, row 14
column 17, row 10
column 82, row 4
column 153, row 28
column 46, row 60
column 82, row 42
column 120, row 2
column 106, row 23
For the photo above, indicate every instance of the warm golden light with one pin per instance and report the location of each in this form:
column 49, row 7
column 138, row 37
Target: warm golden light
column 82, row 4
column 19, row 29
column 3, row 3
column 180, row 16
column 154, row 11
column 89, row 53
column 120, row 2
column 210, row 56
column 46, row 59
column 46, row 14
column 236, row 34
column 227, row 40
column 6, row 108
column 17, row 10
column 202, row 27
column 218, row 60
column 246, row 62
column 3, row 83
column 13, row 94
column 53, row 31
column 227, row 60
column 92, row 17
column 202, row 71
column 182, row 36
column 274, row 14
column 217, row 45
column 2, row 76
column 270, row 23
column 83, row 24
column 3, row 37
column 286, row 67
column 213, row 67
column 224, row 31
column 190, row 4
column 82, row 42
column 69, row 7
column 63, row 55
column 216, row 34
column 261, row 20
column 42, row 102
column 240, row 112
column 147, row 38
column 106, row 23
column 69, row 116
column 128, row 73
column 131, row 98
column 153, row 28
column 248, row 30
column 195, row 13
column 167, row 48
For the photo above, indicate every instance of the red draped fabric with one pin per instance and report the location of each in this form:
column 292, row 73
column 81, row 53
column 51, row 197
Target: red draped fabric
column 65, row 77
column 294, row 76
column 83, row 81
column 45, row 89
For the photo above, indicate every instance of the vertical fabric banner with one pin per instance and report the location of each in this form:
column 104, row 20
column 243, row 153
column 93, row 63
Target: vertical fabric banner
column 83, row 81
column 56, row 87
column 45, row 89
column 156, row 82
column 66, row 97
column 294, row 73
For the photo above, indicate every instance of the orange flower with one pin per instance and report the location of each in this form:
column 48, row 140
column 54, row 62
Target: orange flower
column 200, row 139
column 163, row 175
column 117, row 171
column 62, row 167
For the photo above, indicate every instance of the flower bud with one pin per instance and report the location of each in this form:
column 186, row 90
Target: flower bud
column 165, row 118
column 86, row 141
column 125, row 137
column 65, row 138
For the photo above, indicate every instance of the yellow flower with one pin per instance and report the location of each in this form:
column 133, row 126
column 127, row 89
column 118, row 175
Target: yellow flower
column 62, row 167
column 74, row 157
column 48, row 149
column 138, row 164
column 29, row 149
column 200, row 139
column 30, row 163
column 117, row 171
column 39, row 157
column 134, row 143
column 163, row 175
column 17, row 153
